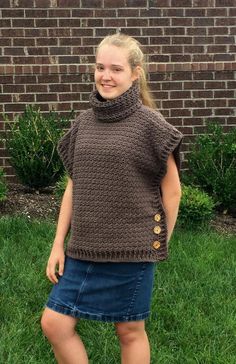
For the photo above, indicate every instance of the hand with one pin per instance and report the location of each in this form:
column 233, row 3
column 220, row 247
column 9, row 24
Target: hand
column 55, row 264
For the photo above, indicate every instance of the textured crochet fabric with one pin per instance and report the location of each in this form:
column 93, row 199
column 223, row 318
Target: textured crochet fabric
column 116, row 154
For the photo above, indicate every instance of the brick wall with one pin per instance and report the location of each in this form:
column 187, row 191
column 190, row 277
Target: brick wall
column 47, row 51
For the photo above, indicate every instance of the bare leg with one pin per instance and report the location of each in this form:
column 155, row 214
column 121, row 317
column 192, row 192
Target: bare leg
column 60, row 331
column 135, row 348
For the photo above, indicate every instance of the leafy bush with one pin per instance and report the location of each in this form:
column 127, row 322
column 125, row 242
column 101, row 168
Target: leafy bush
column 196, row 207
column 32, row 146
column 60, row 185
column 212, row 165
column 3, row 186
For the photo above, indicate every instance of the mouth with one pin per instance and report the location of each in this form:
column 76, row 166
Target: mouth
column 107, row 86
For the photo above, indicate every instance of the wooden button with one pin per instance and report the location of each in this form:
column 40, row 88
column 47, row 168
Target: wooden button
column 156, row 244
column 157, row 229
column 157, row 217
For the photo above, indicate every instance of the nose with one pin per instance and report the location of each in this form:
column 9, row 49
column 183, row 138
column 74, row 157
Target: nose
column 106, row 74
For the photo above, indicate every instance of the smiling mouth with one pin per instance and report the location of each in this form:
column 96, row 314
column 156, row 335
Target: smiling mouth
column 107, row 86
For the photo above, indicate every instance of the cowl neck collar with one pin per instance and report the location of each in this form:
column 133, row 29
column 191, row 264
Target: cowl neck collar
column 116, row 109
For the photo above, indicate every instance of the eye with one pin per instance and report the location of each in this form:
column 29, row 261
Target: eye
column 117, row 69
column 99, row 67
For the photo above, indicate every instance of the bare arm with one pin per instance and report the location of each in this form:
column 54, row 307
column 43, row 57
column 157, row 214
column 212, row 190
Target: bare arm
column 57, row 256
column 171, row 194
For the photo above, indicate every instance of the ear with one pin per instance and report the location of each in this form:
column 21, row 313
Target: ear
column 136, row 73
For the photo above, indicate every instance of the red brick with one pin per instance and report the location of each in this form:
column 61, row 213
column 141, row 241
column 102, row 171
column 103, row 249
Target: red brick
column 183, row 3
column 46, row 97
column 42, row 3
column 114, row 3
column 226, row 3
column 34, row 13
column 172, row 49
column 13, row 89
column 46, row 42
column 188, row 22
column 179, row 112
column 215, row 85
column 159, row 22
column 224, row 111
column 153, row 31
column 193, row 85
column 115, row 22
column 106, row 13
column 93, row 23
column 5, row 42
column 5, row 4
column 24, row 42
column 194, row 103
column 91, row 4
column 173, row 31
column 182, row 40
column 160, row 40
column 203, row 76
column 194, row 12
column 131, row 22
column 5, row 23
column 202, row 112
column 232, row 103
column 204, row 3
column 12, row 33
column 69, row 23
column 173, row 104
column 224, row 40
column 215, row 12
column 82, row 13
column 36, row 32
column 203, row 40
column 180, row 94
column 47, row 23
column 60, row 13
column 36, row 88
column 224, row 93
column 203, row 22
column 22, row 23
column 216, row 103
column 193, row 121
column 180, row 58
column 168, row 12
column 146, row 12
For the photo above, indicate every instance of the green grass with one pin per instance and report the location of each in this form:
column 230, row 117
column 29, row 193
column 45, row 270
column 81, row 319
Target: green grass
column 193, row 318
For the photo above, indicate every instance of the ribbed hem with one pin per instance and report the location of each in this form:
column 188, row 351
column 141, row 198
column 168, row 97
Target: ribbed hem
column 117, row 256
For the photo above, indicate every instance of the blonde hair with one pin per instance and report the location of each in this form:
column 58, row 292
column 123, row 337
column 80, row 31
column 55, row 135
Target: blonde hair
column 135, row 58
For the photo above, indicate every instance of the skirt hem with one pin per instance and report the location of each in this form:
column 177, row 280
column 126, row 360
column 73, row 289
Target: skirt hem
column 76, row 313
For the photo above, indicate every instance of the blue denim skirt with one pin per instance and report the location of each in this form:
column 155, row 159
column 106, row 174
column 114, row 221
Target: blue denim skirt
column 111, row 292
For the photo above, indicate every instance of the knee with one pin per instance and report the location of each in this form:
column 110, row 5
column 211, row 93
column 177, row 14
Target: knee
column 48, row 326
column 128, row 334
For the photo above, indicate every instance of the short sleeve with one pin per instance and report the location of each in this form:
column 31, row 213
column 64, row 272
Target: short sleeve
column 66, row 147
column 168, row 142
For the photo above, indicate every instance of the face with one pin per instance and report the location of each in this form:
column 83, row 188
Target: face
column 113, row 74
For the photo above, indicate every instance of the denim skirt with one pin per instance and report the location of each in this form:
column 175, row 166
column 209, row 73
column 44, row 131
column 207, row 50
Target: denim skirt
column 110, row 291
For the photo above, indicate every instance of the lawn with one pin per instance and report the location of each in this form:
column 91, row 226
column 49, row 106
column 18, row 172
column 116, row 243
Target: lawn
column 193, row 318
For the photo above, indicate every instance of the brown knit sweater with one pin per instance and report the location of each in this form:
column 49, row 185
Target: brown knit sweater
column 116, row 154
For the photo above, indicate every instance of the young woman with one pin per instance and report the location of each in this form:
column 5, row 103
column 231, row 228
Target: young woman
column 120, row 204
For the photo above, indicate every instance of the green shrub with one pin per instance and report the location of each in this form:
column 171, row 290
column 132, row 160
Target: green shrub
column 196, row 207
column 212, row 165
column 32, row 145
column 60, row 185
column 3, row 186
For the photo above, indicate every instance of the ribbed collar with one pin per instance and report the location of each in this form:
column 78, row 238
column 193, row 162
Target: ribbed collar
column 116, row 109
